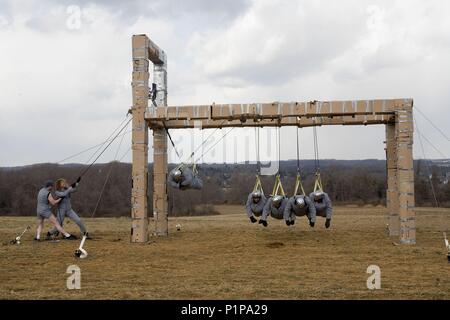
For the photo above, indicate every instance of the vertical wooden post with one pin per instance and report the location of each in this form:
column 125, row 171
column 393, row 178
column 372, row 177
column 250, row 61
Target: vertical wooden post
column 392, row 190
column 405, row 172
column 160, row 198
column 139, row 195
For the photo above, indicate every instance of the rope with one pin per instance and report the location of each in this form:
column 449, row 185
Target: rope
column 95, row 160
column 109, row 174
column 434, row 125
column 88, row 149
column 316, row 150
column 298, row 181
column 107, row 140
column 277, row 187
column 215, row 144
column 427, row 164
column 299, row 184
column 258, row 185
column 258, row 164
column 171, row 140
column 318, row 182
column 298, row 153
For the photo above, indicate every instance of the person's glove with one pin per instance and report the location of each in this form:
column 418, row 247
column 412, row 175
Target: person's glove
column 253, row 219
column 327, row 223
column 79, row 179
column 263, row 222
column 311, row 224
column 74, row 185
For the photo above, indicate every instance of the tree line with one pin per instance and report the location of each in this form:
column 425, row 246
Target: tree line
column 358, row 182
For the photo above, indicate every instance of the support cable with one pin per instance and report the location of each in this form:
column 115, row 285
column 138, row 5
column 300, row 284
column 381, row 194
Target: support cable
column 427, row 164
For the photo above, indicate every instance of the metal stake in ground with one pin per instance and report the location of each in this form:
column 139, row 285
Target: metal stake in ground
column 17, row 239
column 80, row 252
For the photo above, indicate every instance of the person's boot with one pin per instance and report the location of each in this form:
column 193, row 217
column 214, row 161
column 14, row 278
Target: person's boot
column 70, row 237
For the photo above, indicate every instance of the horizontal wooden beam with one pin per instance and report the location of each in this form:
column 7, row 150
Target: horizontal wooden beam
column 293, row 122
column 146, row 48
column 302, row 114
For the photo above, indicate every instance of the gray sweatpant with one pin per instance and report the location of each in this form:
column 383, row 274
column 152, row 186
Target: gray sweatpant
column 72, row 215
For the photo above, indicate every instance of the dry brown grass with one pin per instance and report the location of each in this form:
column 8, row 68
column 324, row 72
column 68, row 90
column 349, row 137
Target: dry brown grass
column 226, row 257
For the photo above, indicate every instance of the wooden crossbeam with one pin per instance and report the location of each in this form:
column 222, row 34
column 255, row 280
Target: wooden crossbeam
column 302, row 114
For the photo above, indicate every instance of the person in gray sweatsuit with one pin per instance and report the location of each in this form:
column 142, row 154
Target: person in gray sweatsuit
column 255, row 205
column 183, row 178
column 322, row 203
column 45, row 201
column 299, row 206
column 275, row 208
column 64, row 209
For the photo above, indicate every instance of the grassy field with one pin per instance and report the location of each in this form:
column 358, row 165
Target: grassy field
column 227, row 257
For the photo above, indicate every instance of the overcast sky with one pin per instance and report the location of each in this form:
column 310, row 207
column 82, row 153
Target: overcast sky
column 65, row 69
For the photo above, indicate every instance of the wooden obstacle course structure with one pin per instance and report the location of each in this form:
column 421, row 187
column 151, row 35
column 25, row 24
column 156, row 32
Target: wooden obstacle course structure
column 395, row 114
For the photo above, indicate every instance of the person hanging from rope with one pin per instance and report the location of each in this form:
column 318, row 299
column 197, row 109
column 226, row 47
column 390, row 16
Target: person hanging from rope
column 276, row 204
column 299, row 205
column 256, row 201
column 183, row 178
column 322, row 202
column 45, row 201
column 64, row 208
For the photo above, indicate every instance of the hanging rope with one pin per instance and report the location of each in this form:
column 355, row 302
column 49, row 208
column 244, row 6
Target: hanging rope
column 171, row 140
column 299, row 185
column 258, row 164
column 318, row 182
column 258, row 185
column 278, row 187
column 298, row 181
column 109, row 174
column 316, row 150
column 210, row 148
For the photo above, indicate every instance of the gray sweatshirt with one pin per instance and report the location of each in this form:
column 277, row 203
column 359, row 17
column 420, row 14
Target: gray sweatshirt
column 188, row 180
column 255, row 208
column 323, row 208
column 65, row 204
column 274, row 212
column 291, row 209
column 43, row 205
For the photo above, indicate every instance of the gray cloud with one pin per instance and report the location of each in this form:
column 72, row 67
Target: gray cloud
column 218, row 51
